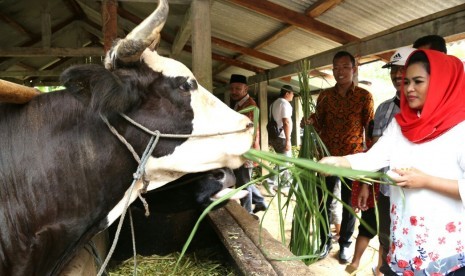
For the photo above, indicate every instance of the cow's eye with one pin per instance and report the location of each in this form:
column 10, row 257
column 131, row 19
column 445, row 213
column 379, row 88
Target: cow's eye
column 188, row 85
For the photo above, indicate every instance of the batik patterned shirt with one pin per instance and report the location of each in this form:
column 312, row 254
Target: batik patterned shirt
column 341, row 120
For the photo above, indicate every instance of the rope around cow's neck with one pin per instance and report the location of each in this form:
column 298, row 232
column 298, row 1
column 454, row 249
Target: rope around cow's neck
column 182, row 135
column 138, row 175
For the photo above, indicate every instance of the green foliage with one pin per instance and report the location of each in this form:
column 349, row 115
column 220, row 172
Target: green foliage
column 46, row 89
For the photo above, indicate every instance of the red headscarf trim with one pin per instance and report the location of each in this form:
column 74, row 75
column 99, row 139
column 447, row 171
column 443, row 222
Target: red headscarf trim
column 445, row 100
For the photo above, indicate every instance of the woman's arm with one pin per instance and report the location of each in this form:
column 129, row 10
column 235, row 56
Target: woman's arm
column 412, row 178
column 337, row 161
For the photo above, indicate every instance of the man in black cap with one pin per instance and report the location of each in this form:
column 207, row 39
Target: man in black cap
column 281, row 110
column 241, row 99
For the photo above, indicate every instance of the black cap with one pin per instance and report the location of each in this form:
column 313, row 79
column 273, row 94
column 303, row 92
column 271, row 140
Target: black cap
column 287, row 88
column 238, row 78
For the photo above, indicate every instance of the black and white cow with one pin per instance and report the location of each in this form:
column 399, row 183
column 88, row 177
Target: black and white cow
column 64, row 176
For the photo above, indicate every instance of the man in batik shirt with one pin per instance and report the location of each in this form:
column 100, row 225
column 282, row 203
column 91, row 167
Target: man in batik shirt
column 342, row 116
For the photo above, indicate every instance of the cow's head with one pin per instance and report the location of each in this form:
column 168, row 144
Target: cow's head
column 162, row 94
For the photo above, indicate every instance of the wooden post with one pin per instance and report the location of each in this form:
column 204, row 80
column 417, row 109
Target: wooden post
column 109, row 19
column 263, row 106
column 201, row 43
column 296, row 118
column 46, row 25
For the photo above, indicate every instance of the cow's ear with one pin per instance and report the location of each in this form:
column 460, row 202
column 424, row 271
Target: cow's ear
column 76, row 81
column 97, row 88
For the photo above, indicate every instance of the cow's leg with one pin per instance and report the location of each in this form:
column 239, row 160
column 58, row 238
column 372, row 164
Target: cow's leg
column 85, row 263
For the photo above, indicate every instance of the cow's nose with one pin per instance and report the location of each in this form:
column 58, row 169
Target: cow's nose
column 249, row 125
column 225, row 176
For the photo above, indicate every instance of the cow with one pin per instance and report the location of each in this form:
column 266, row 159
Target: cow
column 68, row 158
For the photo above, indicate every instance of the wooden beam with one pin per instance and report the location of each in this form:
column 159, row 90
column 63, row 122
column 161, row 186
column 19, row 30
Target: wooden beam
column 24, row 74
column 25, row 66
column 294, row 18
column 74, row 7
column 46, row 25
column 201, row 43
column 56, row 30
column 444, row 23
column 237, row 63
column 321, row 6
column 110, row 24
column 272, row 38
column 183, row 34
column 51, row 52
column 386, row 56
column 171, row 2
column 267, row 41
column 129, row 16
column 15, row 25
column 284, row 31
column 247, row 51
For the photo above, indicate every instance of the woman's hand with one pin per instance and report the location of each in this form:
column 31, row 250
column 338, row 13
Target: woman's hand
column 410, row 178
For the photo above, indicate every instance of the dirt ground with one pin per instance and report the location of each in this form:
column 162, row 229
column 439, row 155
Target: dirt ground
column 330, row 265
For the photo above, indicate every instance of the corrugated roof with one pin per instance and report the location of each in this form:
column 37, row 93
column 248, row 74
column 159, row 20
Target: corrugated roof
column 245, row 29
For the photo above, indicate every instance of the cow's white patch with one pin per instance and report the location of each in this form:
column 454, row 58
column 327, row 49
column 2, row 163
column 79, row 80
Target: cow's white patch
column 210, row 116
column 161, row 179
column 206, row 153
column 167, row 66
column 197, row 154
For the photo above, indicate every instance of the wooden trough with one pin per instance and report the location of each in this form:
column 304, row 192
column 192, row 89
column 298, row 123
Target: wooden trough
column 253, row 250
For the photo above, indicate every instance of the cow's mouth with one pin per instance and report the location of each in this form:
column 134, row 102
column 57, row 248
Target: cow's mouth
column 238, row 195
column 227, row 178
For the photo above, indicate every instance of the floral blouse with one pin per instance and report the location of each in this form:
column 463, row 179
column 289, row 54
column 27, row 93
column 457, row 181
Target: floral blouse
column 427, row 234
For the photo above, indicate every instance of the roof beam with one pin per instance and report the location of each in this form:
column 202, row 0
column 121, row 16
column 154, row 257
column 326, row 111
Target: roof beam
column 231, row 61
column 56, row 31
column 46, row 25
column 183, row 34
column 444, row 23
column 294, row 18
column 321, row 6
column 237, row 63
column 109, row 23
column 247, row 51
column 74, row 7
column 51, row 52
column 25, row 74
column 172, row 2
column 316, row 9
column 15, row 25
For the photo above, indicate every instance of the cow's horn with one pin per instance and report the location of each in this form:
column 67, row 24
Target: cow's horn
column 145, row 34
